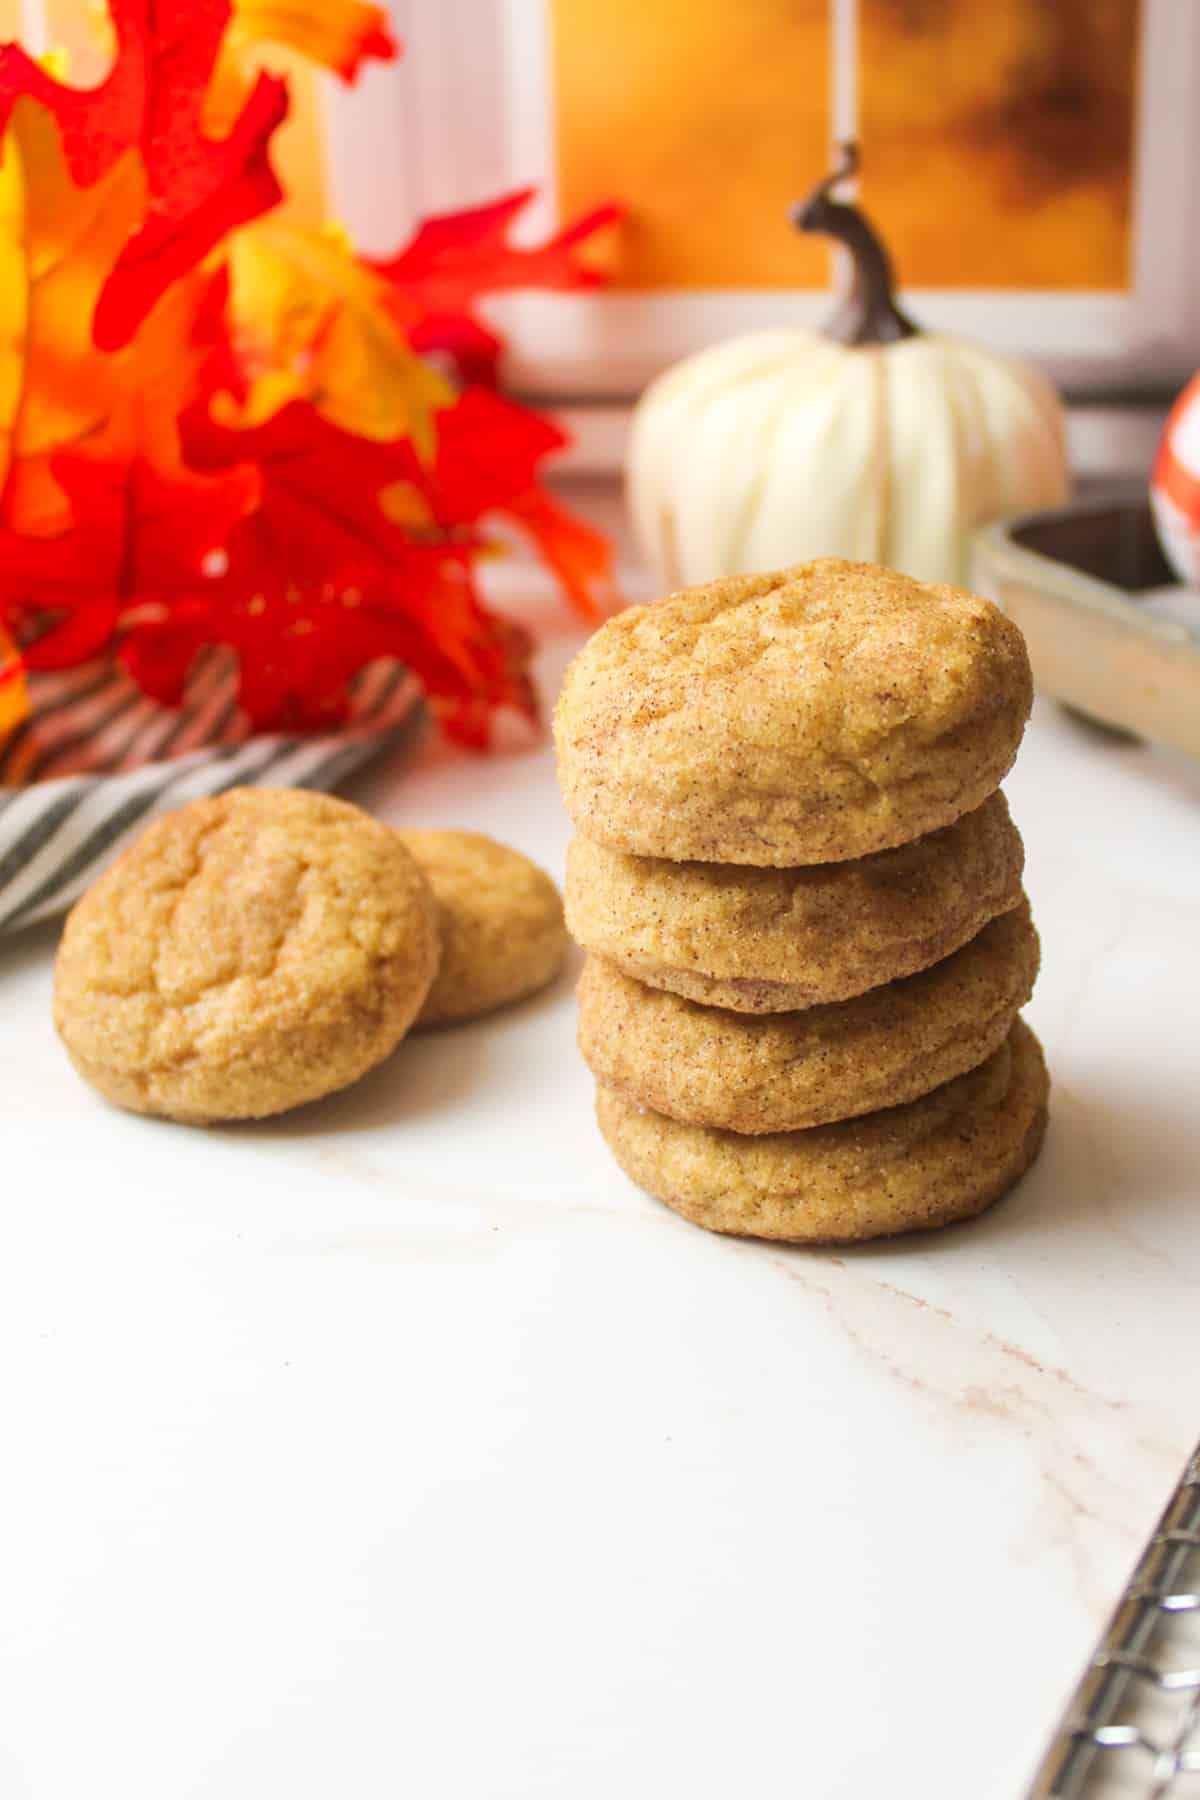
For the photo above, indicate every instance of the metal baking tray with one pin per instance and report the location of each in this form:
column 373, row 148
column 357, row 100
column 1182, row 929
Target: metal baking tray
column 1110, row 630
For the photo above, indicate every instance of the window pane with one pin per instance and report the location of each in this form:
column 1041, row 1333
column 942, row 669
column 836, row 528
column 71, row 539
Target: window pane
column 708, row 118
column 997, row 139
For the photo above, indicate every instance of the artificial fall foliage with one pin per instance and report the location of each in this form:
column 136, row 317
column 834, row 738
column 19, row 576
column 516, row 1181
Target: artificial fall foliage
column 436, row 279
column 13, row 701
column 216, row 429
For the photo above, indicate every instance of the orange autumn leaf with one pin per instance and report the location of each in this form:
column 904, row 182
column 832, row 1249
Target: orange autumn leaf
column 58, row 243
column 339, row 34
column 344, row 517
column 96, row 504
column 160, row 373
column 58, row 393
column 579, row 555
column 116, row 520
column 14, row 701
column 310, row 322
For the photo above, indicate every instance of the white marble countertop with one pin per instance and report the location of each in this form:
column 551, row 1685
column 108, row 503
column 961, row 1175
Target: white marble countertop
column 401, row 1447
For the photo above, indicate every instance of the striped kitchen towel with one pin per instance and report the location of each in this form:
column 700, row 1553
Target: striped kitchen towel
column 97, row 760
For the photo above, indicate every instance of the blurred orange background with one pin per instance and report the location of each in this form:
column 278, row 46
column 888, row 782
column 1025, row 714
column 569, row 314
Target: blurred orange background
column 997, row 137
column 707, row 118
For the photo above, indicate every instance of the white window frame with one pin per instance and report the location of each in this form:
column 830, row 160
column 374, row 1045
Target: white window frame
column 465, row 115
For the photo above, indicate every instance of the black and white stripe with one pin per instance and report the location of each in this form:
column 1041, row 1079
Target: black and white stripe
column 96, row 762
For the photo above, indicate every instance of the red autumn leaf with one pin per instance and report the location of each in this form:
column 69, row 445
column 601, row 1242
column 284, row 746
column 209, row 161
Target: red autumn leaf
column 97, row 124
column 463, row 344
column 455, row 258
column 320, row 485
column 334, row 549
column 298, row 640
column 141, row 531
column 320, row 581
column 129, row 520
column 200, row 187
column 489, row 452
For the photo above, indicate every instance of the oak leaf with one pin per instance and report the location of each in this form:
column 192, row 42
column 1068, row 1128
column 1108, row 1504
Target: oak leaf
column 58, row 243
column 98, row 511
column 261, row 459
column 310, row 322
column 488, row 463
column 142, row 534
column 454, row 259
column 320, row 579
column 199, row 187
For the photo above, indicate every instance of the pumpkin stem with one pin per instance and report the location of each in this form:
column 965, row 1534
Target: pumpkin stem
column 869, row 313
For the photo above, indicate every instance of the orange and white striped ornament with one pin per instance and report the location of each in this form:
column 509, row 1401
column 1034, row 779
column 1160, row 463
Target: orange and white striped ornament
column 1175, row 486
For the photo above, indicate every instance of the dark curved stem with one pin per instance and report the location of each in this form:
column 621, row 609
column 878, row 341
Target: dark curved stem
column 869, row 313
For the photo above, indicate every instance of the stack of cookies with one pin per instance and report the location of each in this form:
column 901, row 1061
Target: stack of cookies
column 800, row 891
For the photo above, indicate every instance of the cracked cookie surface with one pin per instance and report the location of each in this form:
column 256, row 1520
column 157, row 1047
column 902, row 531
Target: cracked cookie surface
column 774, row 940
column 500, row 918
column 249, row 953
column 825, row 712
column 787, row 1071
column 946, row 1156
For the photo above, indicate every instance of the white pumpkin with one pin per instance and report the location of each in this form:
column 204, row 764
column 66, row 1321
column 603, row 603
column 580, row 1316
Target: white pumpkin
column 890, row 445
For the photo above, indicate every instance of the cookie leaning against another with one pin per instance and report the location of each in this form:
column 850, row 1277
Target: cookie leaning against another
column 946, row 1156
column 787, row 1071
column 772, row 940
column 500, row 919
column 822, row 713
column 247, row 954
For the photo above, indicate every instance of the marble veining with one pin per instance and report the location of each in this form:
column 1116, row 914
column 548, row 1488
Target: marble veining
column 402, row 1446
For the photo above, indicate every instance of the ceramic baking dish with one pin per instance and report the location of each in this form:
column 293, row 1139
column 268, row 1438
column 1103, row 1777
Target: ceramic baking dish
column 1109, row 630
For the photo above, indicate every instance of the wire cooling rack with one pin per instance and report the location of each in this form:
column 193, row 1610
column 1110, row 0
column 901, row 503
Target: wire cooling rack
column 1132, row 1728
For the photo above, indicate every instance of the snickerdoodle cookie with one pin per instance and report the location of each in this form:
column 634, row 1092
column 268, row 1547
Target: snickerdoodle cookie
column 249, row 953
column 501, row 923
column 772, row 940
column 946, row 1156
column 705, row 1066
column 825, row 712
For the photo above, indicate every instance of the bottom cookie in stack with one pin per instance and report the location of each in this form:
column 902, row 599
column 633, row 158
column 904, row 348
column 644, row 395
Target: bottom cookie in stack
column 943, row 1157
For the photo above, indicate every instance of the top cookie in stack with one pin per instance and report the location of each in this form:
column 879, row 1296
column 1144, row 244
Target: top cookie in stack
column 819, row 714
column 784, row 787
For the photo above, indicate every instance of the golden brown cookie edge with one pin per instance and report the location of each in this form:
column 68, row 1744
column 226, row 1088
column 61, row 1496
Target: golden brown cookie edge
column 1025, row 1137
column 286, row 1068
column 653, row 1046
